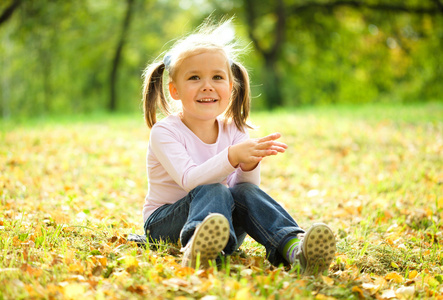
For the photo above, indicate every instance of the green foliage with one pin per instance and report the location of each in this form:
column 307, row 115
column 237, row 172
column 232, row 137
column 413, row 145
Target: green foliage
column 56, row 56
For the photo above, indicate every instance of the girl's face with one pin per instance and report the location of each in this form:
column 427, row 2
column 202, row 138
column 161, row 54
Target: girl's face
column 202, row 84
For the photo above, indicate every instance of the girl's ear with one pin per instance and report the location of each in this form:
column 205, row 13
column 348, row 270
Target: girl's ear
column 173, row 91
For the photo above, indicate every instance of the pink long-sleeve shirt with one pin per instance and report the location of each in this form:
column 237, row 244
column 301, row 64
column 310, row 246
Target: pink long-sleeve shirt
column 179, row 161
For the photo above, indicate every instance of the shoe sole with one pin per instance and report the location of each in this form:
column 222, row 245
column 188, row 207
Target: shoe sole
column 318, row 248
column 209, row 239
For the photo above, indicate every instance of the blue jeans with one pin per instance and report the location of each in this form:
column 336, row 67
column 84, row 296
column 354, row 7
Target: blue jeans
column 248, row 209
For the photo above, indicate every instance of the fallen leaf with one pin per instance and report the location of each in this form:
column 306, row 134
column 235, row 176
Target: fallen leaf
column 388, row 294
column 394, row 276
column 371, row 287
column 406, row 291
column 175, row 282
column 328, row 280
column 357, row 289
column 412, row 274
column 242, row 294
column 74, row 291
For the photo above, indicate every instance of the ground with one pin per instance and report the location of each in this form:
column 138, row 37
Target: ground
column 71, row 189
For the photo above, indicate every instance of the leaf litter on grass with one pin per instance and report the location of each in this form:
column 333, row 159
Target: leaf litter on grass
column 70, row 194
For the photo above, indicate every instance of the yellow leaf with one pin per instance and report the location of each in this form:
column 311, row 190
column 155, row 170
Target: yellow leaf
column 323, row 297
column 242, row 294
column 262, row 280
column 74, row 291
column 328, row 280
column 412, row 274
column 76, row 268
column 394, row 276
column 358, row 290
column 394, row 265
column 69, row 257
column 205, row 286
column 102, row 259
column 371, row 287
column 429, row 279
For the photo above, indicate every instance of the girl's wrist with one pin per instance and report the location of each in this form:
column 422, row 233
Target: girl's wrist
column 232, row 157
column 248, row 167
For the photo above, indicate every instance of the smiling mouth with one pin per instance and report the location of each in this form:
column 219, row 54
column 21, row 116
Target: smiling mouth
column 206, row 100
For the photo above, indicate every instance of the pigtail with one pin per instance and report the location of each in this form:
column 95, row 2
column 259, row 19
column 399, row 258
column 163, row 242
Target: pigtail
column 239, row 108
column 153, row 94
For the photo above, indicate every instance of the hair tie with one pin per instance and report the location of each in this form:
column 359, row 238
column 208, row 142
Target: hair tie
column 167, row 61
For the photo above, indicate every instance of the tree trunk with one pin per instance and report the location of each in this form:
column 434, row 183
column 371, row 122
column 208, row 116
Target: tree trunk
column 7, row 13
column 272, row 83
column 112, row 106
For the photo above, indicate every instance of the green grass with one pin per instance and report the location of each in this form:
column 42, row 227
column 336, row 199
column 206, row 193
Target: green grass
column 72, row 189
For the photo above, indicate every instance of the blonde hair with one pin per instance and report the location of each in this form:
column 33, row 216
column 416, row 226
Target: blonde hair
column 208, row 37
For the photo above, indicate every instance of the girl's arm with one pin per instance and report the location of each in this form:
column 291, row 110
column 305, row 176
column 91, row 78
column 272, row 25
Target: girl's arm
column 175, row 159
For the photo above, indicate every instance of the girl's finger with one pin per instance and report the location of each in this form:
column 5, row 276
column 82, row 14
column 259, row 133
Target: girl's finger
column 282, row 145
column 264, row 153
column 279, row 149
column 270, row 137
column 271, row 145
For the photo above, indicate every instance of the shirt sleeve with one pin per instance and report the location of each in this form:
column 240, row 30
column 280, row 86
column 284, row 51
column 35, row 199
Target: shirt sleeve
column 175, row 159
column 239, row 176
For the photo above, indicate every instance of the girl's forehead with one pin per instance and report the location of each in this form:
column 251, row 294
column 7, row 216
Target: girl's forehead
column 203, row 60
column 202, row 53
column 213, row 56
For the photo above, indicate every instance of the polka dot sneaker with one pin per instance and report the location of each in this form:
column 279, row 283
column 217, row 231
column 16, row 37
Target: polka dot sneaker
column 209, row 239
column 316, row 249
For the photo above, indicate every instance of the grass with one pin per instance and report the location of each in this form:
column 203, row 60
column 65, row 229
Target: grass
column 71, row 191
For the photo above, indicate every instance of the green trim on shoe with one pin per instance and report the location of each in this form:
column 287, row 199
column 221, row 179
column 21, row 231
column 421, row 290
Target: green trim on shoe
column 316, row 250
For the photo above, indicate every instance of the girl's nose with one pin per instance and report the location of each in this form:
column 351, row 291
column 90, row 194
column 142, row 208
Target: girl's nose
column 207, row 87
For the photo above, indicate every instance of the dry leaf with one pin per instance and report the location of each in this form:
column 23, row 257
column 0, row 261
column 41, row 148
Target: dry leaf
column 357, row 289
column 412, row 274
column 395, row 277
column 242, row 294
column 175, row 282
column 388, row 294
column 74, row 291
column 328, row 280
column 406, row 291
column 371, row 287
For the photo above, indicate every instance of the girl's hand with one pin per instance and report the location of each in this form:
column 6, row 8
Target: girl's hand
column 249, row 153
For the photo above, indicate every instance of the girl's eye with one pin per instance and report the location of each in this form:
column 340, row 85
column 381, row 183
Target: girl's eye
column 217, row 77
column 195, row 77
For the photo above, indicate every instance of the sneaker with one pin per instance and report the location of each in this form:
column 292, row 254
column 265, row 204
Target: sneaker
column 140, row 240
column 209, row 239
column 316, row 249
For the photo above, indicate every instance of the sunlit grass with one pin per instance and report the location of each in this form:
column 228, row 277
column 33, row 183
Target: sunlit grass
column 71, row 190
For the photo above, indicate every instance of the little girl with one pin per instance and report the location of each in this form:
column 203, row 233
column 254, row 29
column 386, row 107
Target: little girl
column 204, row 170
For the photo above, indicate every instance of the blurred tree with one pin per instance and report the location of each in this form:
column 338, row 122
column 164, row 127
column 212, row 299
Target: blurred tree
column 275, row 16
column 77, row 56
column 112, row 106
column 9, row 10
column 271, row 18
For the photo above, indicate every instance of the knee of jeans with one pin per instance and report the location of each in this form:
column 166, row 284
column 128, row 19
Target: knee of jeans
column 211, row 187
column 245, row 187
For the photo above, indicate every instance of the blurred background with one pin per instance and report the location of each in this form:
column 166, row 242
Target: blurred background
column 80, row 56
